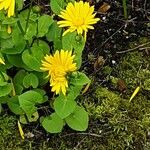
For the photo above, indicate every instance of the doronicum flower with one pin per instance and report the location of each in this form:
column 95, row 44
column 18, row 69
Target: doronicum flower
column 58, row 67
column 78, row 17
column 8, row 5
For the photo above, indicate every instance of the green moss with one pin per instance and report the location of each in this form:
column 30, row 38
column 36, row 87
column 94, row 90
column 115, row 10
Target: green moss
column 9, row 138
column 134, row 68
column 108, row 104
column 128, row 123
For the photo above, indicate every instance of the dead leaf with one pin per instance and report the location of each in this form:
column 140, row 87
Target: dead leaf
column 104, row 8
column 99, row 62
column 121, row 85
column 86, row 88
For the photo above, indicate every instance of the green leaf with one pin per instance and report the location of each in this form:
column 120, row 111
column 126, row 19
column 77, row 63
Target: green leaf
column 16, row 60
column 23, row 119
column 53, row 123
column 19, row 4
column 64, row 105
column 5, row 90
column 31, row 31
column 2, row 80
column 2, row 15
column 6, row 44
column 74, row 90
column 2, row 83
column 23, row 17
column 4, row 99
column 70, row 41
column 44, row 22
column 79, row 78
column 18, row 79
column 42, row 77
column 34, row 117
column 78, row 60
column 32, row 58
column 18, row 40
column 54, row 35
column 18, row 89
column 5, row 76
column 15, row 45
column 28, row 100
column 30, row 80
column 57, row 6
column 78, row 120
column 42, row 45
column 10, row 20
column 4, row 34
column 14, row 106
column 5, row 67
column 42, row 92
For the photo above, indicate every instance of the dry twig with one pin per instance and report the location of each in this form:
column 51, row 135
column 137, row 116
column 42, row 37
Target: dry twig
column 139, row 47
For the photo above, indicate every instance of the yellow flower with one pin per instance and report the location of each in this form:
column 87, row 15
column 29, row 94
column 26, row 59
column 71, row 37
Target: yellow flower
column 8, row 5
column 78, row 17
column 58, row 66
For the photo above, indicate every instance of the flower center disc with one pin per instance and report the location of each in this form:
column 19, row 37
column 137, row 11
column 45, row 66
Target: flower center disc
column 78, row 22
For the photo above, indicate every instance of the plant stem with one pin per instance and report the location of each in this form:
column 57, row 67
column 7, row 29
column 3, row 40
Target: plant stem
column 125, row 9
column 22, row 31
column 20, row 27
column 27, row 23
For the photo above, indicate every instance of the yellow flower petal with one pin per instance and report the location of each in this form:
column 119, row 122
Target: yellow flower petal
column 9, row 6
column 78, row 16
column 134, row 93
column 66, row 32
column 58, row 66
column 20, row 130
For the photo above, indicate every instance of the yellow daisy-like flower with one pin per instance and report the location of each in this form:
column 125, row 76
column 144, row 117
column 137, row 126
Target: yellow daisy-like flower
column 58, row 66
column 8, row 5
column 78, row 17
